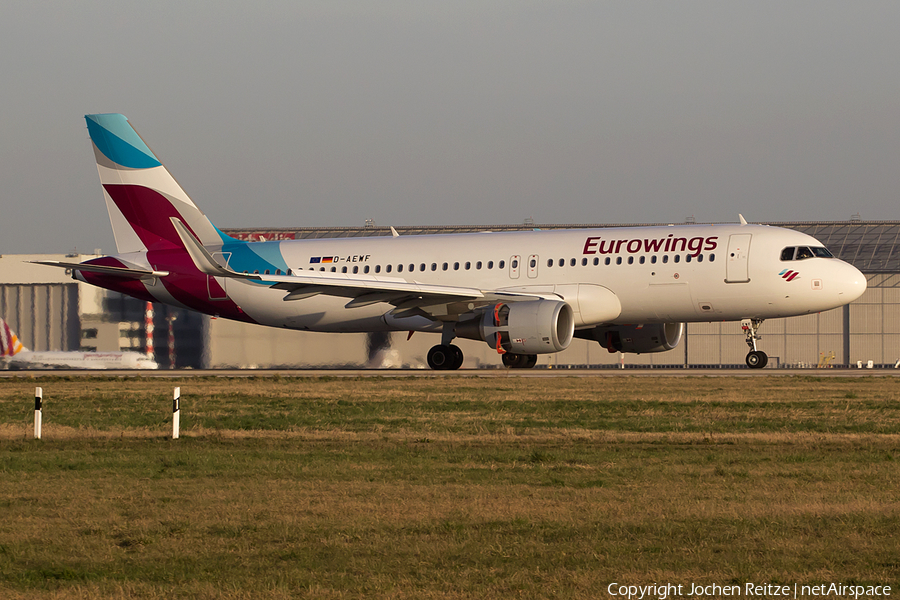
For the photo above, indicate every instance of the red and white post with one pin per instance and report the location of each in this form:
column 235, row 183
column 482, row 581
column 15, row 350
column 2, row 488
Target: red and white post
column 148, row 329
column 38, row 406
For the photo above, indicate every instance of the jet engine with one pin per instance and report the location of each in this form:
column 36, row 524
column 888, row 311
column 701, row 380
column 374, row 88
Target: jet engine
column 528, row 327
column 637, row 339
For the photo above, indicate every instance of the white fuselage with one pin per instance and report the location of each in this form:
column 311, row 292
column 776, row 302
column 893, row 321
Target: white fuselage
column 658, row 274
column 81, row 360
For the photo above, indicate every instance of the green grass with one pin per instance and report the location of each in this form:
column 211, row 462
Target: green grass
column 445, row 488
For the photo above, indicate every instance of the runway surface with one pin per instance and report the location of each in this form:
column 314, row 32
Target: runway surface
column 484, row 373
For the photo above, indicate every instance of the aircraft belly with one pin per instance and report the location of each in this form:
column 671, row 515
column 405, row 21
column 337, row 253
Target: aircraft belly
column 317, row 313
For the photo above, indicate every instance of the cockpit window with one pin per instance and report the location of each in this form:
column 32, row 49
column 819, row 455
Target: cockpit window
column 803, row 252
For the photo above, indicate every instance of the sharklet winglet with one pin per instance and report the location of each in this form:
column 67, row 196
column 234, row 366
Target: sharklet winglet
column 201, row 257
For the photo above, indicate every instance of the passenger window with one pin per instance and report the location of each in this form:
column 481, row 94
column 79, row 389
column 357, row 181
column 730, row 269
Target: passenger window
column 468, row 265
column 642, row 259
column 501, row 264
column 412, row 268
column 572, row 262
column 687, row 258
column 490, row 264
column 399, row 268
column 334, row 269
column 583, row 262
column 515, row 264
column 787, row 254
column 653, row 260
column 630, row 260
column 366, row 270
column 699, row 258
column 677, row 258
column 355, row 270
column 712, row 257
column 378, row 268
column 388, row 268
column 562, row 262
column 596, row 261
column 278, row 271
column 444, row 266
column 434, row 266
column 665, row 258
column 456, row 266
column 478, row 265
column 606, row 262
column 549, row 262
column 343, row 269
column 619, row 260
column 533, row 263
column 422, row 267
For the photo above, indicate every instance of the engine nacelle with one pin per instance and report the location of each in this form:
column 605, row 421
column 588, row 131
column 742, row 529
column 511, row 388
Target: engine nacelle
column 637, row 339
column 532, row 327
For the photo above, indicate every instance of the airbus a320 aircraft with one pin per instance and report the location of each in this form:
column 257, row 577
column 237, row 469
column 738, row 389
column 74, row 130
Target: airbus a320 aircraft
column 523, row 293
column 14, row 355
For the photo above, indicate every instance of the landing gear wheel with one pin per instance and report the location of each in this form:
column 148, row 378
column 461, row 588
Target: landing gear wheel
column 757, row 359
column 445, row 358
column 519, row 361
column 457, row 357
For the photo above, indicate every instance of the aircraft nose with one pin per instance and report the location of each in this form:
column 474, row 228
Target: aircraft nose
column 853, row 283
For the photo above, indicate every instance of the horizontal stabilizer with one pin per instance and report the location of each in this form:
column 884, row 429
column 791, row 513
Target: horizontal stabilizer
column 128, row 272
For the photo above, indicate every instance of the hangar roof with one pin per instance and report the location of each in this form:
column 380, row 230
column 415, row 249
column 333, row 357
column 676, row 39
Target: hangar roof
column 872, row 246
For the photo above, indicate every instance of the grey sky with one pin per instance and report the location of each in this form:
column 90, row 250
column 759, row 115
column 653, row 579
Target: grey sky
column 292, row 113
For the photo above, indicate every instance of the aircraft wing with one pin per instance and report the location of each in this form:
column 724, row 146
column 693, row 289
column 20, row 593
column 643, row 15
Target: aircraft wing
column 133, row 272
column 440, row 302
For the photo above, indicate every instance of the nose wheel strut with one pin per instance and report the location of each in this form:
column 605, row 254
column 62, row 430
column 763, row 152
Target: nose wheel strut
column 756, row 359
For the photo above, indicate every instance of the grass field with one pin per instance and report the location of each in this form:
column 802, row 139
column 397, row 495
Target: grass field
column 445, row 487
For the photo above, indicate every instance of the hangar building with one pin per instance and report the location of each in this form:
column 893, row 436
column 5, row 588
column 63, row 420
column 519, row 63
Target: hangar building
column 51, row 311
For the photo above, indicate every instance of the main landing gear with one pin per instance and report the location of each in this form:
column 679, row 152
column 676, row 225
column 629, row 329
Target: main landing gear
column 519, row 361
column 448, row 357
column 756, row 359
column 445, row 357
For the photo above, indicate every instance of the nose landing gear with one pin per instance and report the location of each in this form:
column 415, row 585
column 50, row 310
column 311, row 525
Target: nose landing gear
column 756, row 359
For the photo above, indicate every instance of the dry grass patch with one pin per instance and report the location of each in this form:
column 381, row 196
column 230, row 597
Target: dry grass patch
column 444, row 488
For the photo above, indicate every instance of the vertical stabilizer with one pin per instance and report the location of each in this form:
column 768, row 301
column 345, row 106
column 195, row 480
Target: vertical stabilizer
column 141, row 195
column 9, row 343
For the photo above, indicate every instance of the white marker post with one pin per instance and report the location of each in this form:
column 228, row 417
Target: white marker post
column 38, row 402
column 176, row 413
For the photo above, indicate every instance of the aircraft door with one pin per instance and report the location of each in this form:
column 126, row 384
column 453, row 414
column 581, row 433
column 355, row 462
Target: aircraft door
column 216, row 285
column 514, row 266
column 533, row 266
column 736, row 269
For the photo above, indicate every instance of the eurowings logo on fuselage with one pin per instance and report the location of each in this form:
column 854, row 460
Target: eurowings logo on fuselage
column 789, row 275
column 670, row 243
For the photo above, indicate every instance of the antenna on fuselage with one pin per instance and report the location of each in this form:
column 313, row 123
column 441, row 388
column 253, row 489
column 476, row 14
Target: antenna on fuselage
column 743, row 220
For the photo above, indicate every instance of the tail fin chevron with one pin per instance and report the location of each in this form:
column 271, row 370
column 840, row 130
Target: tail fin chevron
column 141, row 195
column 9, row 343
